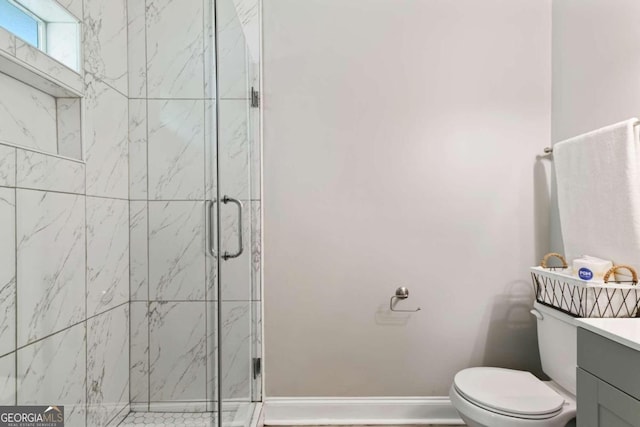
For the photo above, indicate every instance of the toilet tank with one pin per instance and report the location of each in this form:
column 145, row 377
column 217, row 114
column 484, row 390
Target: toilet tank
column 557, row 341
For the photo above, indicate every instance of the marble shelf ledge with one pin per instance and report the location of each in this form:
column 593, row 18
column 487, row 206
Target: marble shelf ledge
column 35, row 68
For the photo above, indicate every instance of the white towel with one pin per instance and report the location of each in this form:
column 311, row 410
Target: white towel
column 598, row 178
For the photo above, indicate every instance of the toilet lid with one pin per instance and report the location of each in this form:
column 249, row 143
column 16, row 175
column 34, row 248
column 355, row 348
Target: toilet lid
column 508, row 391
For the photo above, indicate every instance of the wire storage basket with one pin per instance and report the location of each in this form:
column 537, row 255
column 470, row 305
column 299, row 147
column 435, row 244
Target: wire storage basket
column 557, row 288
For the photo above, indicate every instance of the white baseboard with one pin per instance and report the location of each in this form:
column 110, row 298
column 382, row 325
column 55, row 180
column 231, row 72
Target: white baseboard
column 359, row 411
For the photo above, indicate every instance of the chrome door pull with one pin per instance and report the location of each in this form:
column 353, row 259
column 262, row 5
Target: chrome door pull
column 238, row 203
column 212, row 233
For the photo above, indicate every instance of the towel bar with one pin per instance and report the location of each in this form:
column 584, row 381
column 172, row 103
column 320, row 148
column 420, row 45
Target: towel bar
column 549, row 150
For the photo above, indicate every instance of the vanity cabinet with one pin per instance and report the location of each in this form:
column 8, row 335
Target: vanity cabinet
column 608, row 382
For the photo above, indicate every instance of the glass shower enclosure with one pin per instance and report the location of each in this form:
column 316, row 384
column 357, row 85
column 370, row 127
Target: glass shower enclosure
column 234, row 211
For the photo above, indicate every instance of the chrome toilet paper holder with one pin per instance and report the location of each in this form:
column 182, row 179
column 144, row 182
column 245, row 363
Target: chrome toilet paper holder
column 401, row 293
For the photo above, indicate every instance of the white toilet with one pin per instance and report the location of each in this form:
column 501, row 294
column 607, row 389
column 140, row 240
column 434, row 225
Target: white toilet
column 496, row 397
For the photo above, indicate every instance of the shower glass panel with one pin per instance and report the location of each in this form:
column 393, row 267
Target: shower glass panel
column 237, row 206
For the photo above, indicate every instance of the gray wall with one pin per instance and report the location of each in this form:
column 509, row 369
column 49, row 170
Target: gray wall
column 596, row 64
column 400, row 149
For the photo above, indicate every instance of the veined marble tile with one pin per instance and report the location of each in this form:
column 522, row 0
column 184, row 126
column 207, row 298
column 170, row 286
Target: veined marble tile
column 69, row 128
column 209, row 51
column 136, row 47
column 176, row 251
column 248, row 12
column 233, row 56
column 33, row 56
column 178, row 351
column 7, row 42
column 7, row 166
column 107, row 365
column 176, row 149
column 139, row 363
column 121, row 416
column 106, row 132
column 236, row 273
column 51, row 262
column 54, row 370
column 139, row 251
column 27, row 116
column 210, row 193
column 49, row 173
column 175, row 48
column 107, row 253
column 256, row 324
column 73, row 6
column 212, row 356
column 256, row 250
column 7, row 270
column 62, row 43
column 255, row 154
column 210, row 151
column 8, row 379
column 212, row 276
column 235, row 340
column 137, row 149
column 233, row 148
column 105, row 41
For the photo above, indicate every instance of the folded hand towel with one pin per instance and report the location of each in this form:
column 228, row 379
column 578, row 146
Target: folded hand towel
column 598, row 179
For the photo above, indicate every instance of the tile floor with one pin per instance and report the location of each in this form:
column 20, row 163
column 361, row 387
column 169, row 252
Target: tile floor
column 169, row 419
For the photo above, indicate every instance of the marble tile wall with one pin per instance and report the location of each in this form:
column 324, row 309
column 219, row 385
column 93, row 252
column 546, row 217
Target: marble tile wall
column 64, row 285
column 64, row 233
column 172, row 170
column 27, row 116
column 105, row 122
column 69, row 127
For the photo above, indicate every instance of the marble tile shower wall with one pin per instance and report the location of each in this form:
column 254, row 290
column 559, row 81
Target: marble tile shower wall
column 64, row 244
column 172, row 174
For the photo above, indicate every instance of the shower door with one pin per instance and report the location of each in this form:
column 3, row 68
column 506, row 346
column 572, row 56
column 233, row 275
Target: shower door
column 236, row 205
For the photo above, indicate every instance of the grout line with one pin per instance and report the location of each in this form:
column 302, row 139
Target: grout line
column 101, row 80
column 118, row 414
column 66, row 328
column 57, row 126
column 71, row 193
column 41, row 152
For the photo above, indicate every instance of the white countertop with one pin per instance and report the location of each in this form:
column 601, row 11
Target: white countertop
column 623, row 331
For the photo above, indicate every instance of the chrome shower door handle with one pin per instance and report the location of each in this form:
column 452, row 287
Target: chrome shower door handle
column 238, row 203
column 211, row 243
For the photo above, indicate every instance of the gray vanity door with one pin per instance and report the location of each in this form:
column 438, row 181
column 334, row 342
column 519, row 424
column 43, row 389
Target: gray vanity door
column 601, row 405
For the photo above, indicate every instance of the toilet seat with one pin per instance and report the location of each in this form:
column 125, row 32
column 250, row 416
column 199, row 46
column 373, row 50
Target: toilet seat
column 509, row 392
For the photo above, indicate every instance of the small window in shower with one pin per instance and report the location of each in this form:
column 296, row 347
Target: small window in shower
column 46, row 25
column 20, row 22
